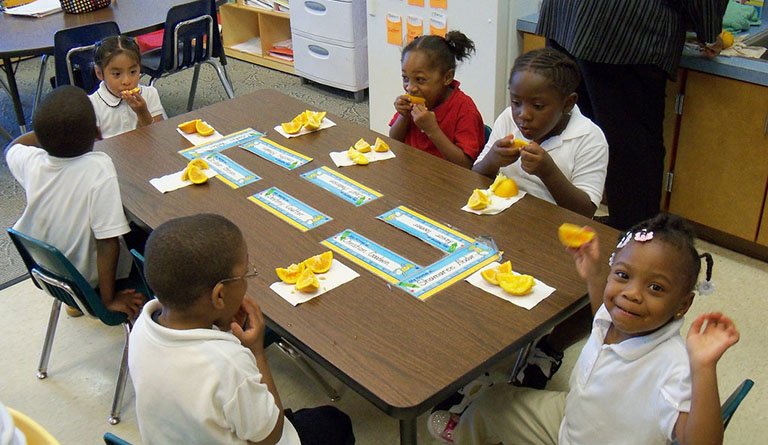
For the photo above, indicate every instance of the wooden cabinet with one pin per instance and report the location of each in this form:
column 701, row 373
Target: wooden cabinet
column 721, row 159
column 532, row 41
column 260, row 28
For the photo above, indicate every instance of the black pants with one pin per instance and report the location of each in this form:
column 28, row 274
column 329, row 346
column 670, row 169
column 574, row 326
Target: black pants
column 324, row 425
column 627, row 103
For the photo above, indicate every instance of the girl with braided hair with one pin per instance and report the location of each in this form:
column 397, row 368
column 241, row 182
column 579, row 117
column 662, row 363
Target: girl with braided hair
column 562, row 156
column 435, row 115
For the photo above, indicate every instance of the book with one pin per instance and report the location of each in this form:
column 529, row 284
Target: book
column 38, row 8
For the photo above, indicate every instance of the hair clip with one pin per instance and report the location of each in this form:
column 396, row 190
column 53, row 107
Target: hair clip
column 706, row 287
column 643, row 236
column 625, row 240
column 611, row 258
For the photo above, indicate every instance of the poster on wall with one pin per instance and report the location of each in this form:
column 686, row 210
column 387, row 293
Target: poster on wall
column 394, row 29
column 414, row 27
column 416, row 3
column 442, row 4
column 438, row 24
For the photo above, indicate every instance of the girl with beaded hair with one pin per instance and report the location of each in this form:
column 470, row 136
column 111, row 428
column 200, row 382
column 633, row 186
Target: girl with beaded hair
column 434, row 114
column 542, row 140
column 636, row 381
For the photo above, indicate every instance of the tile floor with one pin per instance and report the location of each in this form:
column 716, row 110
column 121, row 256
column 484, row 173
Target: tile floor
column 73, row 402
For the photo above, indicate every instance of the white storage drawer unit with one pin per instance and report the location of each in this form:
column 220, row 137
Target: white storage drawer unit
column 330, row 43
column 336, row 20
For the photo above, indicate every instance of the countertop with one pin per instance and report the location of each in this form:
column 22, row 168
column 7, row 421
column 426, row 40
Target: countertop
column 739, row 68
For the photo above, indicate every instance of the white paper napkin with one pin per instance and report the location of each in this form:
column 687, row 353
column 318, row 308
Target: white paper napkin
column 540, row 290
column 341, row 158
column 326, row 123
column 196, row 139
column 337, row 275
column 171, row 182
column 497, row 205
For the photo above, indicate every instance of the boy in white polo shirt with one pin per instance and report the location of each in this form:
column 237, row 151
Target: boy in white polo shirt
column 73, row 199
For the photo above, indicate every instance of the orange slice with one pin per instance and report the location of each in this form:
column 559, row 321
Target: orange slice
column 290, row 274
column 198, row 162
column 361, row 160
column 574, row 236
column 499, row 179
column 307, row 282
column 479, row 200
column 312, row 123
column 185, row 174
column 380, row 146
column 203, row 129
column 189, row 126
column 518, row 143
column 362, row 146
column 196, row 175
column 292, row 127
column 320, row 115
column 320, row 263
column 490, row 275
column 507, row 188
column 516, row 284
column 417, row 100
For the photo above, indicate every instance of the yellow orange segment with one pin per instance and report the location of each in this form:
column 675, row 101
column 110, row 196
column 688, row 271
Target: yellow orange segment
column 307, row 282
column 507, row 188
column 196, row 175
column 203, row 129
column 380, row 146
column 290, row 274
column 362, row 146
column 416, row 99
column 361, row 160
column 312, row 123
column 519, row 143
column 353, row 154
column 189, row 127
column 516, row 284
column 320, row 263
column 292, row 127
column 479, row 200
column 505, row 267
column 574, row 236
column 199, row 163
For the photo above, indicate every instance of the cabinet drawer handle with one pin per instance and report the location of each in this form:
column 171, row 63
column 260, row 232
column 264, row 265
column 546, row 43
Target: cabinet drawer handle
column 318, row 51
column 315, row 7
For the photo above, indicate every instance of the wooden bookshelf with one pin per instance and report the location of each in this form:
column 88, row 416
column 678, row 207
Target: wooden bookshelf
column 242, row 23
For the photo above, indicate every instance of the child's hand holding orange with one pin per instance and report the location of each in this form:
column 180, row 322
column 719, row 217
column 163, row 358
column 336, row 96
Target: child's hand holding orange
column 403, row 105
column 534, row 160
column 137, row 103
column 424, row 119
column 506, row 151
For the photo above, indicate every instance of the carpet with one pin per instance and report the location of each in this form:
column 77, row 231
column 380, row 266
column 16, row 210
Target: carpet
column 174, row 91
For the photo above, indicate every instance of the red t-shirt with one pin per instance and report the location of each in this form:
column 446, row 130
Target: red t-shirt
column 459, row 119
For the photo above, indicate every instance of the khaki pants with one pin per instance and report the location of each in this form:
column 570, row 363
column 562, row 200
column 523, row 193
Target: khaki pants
column 511, row 415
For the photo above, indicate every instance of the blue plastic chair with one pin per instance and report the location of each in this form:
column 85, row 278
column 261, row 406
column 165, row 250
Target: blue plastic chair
column 73, row 52
column 52, row 272
column 191, row 38
column 111, row 439
column 487, row 133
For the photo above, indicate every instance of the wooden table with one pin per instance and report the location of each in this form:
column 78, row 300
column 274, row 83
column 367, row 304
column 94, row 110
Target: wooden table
column 402, row 354
column 29, row 36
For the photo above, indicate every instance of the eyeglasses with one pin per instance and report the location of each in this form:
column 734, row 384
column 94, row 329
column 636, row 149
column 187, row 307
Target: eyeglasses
column 247, row 276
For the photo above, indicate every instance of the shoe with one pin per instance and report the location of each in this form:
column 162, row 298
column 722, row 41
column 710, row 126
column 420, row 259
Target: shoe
column 73, row 311
column 460, row 400
column 441, row 424
column 540, row 365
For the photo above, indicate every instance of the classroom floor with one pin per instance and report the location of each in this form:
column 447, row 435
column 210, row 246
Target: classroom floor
column 73, row 402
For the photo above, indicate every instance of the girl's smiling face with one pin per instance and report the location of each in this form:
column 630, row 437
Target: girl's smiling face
column 646, row 289
column 421, row 78
column 538, row 109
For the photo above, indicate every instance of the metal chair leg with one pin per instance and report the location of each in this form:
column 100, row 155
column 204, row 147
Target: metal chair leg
column 40, row 82
column 302, row 363
column 522, row 356
column 222, row 73
column 42, row 368
column 193, row 88
column 122, row 377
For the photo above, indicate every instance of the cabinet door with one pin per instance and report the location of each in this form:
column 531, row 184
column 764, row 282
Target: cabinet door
column 532, row 41
column 721, row 164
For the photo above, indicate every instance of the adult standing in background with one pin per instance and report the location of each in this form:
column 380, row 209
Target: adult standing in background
column 626, row 51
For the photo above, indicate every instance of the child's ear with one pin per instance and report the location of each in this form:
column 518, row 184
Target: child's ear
column 448, row 77
column 570, row 101
column 99, row 73
column 685, row 305
column 217, row 296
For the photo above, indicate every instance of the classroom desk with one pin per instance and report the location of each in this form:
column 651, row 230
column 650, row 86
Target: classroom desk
column 402, row 354
column 29, row 36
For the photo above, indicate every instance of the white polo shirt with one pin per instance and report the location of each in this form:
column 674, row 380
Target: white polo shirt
column 630, row 392
column 114, row 116
column 198, row 386
column 580, row 152
column 71, row 202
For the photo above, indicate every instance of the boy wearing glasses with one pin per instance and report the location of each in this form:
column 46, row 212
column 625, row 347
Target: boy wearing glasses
column 196, row 354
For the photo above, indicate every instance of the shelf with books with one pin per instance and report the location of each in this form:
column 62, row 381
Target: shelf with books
column 250, row 32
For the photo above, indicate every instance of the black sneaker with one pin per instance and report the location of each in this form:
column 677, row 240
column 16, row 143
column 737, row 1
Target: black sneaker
column 540, row 365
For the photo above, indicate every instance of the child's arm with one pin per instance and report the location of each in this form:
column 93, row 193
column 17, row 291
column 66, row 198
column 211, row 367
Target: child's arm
column 251, row 335
column 706, row 344
column 139, row 106
column 534, row 160
column 590, row 269
column 399, row 128
column 28, row 139
column 501, row 154
column 427, row 122
column 127, row 301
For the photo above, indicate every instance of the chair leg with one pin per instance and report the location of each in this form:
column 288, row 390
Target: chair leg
column 302, row 363
column 522, row 355
column 40, row 82
column 42, row 368
column 122, row 376
column 223, row 77
column 193, row 88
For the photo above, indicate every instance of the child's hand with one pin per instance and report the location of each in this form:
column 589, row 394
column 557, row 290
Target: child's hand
column 505, row 151
column 403, row 105
column 127, row 301
column 587, row 258
column 707, row 342
column 139, row 106
column 248, row 325
column 424, row 119
column 534, row 160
